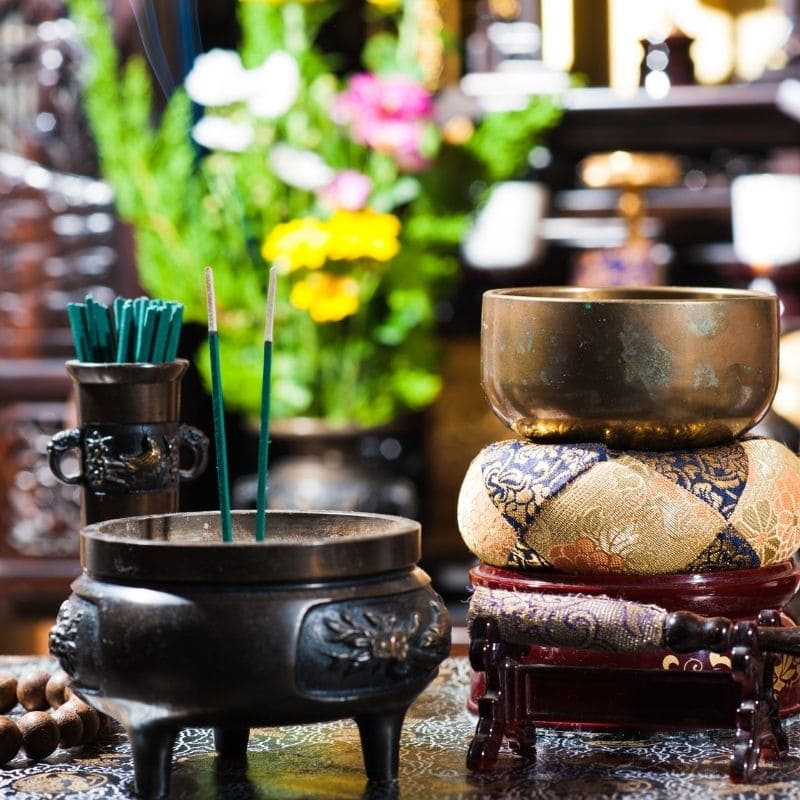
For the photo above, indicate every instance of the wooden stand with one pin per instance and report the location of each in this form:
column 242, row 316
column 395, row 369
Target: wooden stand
column 519, row 687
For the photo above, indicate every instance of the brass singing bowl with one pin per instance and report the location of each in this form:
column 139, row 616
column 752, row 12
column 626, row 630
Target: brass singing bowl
column 634, row 368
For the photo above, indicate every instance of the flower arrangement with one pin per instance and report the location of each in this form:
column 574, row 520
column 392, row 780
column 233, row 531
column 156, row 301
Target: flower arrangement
column 349, row 184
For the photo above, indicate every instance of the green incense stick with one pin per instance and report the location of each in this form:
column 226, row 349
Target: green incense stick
column 218, row 412
column 144, row 339
column 161, row 334
column 175, row 322
column 92, row 334
column 75, row 316
column 263, row 435
column 125, row 326
column 118, row 305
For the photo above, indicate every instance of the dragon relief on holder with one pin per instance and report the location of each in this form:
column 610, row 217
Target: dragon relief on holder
column 386, row 640
column 155, row 464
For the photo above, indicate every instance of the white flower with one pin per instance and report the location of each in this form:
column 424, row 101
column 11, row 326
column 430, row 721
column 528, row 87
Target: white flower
column 300, row 168
column 218, row 79
column 221, row 133
column 274, row 86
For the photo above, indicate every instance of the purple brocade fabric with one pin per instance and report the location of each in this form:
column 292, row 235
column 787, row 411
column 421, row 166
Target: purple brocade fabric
column 579, row 621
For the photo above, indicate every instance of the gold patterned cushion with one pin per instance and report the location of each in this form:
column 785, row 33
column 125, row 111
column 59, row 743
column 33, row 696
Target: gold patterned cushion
column 583, row 508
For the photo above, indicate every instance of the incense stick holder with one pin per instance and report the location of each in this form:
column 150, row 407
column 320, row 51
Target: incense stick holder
column 329, row 618
column 129, row 442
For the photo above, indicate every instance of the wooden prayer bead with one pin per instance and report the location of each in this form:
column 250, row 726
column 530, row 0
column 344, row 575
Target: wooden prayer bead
column 56, row 691
column 89, row 717
column 70, row 725
column 8, row 692
column 10, row 739
column 31, row 690
column 39, row 734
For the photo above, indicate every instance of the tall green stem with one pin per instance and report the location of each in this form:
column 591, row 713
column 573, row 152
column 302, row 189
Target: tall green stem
column 295, row 32
column 344, row 401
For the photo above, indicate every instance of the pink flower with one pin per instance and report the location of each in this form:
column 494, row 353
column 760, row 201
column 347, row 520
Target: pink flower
column 388, row 114
column 401, row 139
column 390, row 97
column 349, row 190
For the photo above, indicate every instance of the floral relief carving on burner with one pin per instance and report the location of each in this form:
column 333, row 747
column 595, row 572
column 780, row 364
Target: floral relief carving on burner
column 355, row 647
column 371, row 637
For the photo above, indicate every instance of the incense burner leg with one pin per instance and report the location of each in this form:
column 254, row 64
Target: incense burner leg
column 231, row 742
column 758, row 726
column 152, row 759
column 489, row 654
column 380, row 743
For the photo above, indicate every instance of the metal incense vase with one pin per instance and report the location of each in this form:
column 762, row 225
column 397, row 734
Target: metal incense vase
column 129, row 441
column 329, row 618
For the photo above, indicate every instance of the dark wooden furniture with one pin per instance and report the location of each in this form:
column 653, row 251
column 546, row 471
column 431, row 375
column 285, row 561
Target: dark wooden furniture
column 718, row 132
column 59, row 239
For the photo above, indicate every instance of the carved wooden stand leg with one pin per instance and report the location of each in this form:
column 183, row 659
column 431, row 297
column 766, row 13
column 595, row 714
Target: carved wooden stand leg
column 758, row 726
column 496, row 717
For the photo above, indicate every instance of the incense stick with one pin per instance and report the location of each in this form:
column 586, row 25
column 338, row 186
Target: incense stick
column 128, row 331
column 218, row 412
column 266, row 389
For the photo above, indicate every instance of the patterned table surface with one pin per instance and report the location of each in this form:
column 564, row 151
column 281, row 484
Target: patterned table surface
column 323, row 762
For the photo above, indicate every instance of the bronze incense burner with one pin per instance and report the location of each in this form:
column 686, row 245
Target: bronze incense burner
column 329, row 618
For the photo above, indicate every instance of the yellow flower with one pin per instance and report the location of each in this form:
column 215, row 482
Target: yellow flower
column 276, row 2
column 363, row 234
column 298, row 243
column 386, row 6
column 326, row 297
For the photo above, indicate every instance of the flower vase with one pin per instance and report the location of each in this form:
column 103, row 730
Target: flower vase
column 315, row 466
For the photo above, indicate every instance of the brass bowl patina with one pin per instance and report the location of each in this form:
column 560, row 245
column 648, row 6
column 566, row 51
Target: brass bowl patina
column 659, row 368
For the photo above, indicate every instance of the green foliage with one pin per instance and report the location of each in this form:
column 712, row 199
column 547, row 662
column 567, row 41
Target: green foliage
column 504, row 140
column 191, row 207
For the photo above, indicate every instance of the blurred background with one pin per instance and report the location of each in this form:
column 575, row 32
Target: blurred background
column 672, row 157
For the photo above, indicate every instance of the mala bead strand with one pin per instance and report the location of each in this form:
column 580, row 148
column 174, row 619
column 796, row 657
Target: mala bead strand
column 72, row 722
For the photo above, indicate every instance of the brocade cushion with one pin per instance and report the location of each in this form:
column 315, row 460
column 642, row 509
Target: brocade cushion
column 587, row 509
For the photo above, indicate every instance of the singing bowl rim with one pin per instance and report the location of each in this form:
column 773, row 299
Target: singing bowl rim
column 650, row 295
column 379, row 543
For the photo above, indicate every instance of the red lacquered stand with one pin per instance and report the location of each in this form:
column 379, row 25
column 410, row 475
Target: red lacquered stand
column 716, row 670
